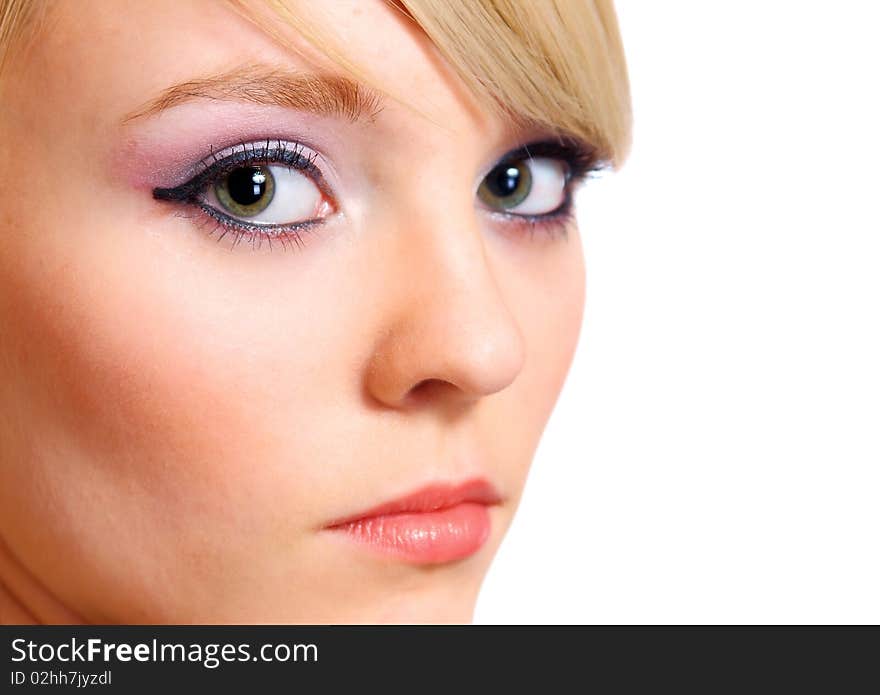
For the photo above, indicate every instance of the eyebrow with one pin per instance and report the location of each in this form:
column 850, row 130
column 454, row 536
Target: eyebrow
column 321, row 94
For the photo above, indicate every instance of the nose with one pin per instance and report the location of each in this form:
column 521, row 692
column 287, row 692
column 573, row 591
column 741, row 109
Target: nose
column 450, row 335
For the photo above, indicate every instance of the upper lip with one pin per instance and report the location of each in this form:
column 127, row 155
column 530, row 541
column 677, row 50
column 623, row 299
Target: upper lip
column 430, row 498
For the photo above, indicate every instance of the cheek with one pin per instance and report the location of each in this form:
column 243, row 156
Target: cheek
column 544, row 289
column 116, row 368
column 160, row 414
column 552, row 307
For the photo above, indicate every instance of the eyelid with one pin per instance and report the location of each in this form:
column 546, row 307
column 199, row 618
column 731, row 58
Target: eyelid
column 209, row 170
column 582, row 158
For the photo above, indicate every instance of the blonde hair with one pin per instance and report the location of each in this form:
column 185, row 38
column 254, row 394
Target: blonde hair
column 13, row 15
column 555, row 63
column 558, row 63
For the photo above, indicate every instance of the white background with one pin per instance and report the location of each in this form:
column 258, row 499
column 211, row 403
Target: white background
column 715, row 454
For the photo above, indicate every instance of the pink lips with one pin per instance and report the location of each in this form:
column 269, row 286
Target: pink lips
column 438, row 523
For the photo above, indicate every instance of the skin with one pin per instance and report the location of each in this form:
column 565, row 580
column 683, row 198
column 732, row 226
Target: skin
column 180, row 418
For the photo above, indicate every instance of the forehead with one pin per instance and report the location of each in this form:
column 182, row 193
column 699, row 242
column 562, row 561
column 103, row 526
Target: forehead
column 123, row 55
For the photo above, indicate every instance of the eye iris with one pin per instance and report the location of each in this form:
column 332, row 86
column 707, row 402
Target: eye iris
column 507, row 185
column 246, row 191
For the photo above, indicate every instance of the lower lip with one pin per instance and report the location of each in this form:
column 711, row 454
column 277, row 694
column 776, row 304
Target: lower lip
column 425, row 538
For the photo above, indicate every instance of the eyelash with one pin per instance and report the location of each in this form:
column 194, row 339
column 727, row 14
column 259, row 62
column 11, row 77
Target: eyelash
column 247, row 154
column 581, row 160
column 583, row 163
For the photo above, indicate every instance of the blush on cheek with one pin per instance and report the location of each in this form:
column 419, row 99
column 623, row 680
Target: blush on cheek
column 124, row 387
column 133, row 460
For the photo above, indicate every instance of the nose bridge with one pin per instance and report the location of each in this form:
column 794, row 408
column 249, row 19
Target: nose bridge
column 451, row 323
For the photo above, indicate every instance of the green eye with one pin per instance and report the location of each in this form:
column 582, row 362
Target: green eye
column 246, row 191
column 507, row 185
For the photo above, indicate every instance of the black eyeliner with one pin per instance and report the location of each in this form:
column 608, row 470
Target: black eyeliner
column 582, row 159
column 249, row 155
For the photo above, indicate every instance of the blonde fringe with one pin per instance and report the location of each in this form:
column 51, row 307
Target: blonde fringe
column 13, row 16
column 555, row 63
column 559, row 64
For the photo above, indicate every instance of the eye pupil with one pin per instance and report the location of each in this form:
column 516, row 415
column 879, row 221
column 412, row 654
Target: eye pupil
column 505, row 180
column 247, row 185
column 246, row 191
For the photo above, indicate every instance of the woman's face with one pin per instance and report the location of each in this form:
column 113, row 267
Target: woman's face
column 187, row 401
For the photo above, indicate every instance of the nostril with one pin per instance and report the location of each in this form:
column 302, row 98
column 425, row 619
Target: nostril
column 424, row 388
column 429, row 389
